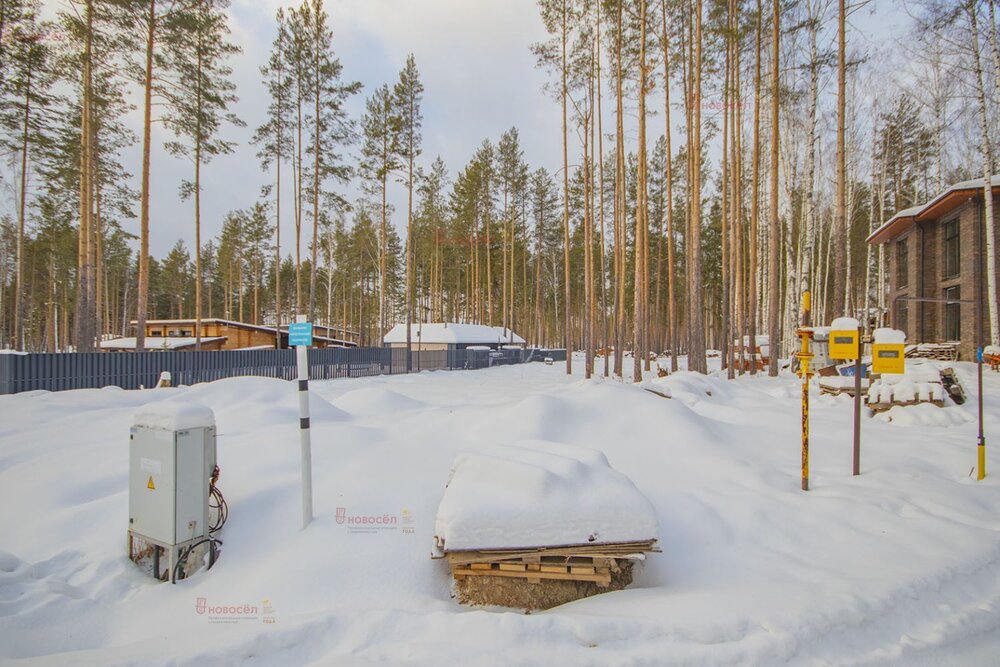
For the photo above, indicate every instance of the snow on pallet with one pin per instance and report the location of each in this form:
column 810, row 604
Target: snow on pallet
column 921, row 383
column 540, row 512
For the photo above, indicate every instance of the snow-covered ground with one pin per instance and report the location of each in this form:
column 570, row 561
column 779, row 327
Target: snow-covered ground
column 899, row 565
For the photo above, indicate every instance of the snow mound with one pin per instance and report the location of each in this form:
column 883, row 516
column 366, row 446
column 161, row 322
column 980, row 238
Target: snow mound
column 173, row 416
column 885, row 336
column 369, row 401
column 274, row 402
column 845, row 324
column 688, row 387
column 925, row 414
column 539, row 493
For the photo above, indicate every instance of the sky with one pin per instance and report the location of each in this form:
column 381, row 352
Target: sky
column 480, row 79
column 474, row 60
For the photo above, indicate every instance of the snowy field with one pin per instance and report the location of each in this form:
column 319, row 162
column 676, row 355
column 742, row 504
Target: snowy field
column 900, row 565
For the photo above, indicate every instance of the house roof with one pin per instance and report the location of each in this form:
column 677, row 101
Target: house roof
column 453, row 333
column 157, row 343
column 954, row 196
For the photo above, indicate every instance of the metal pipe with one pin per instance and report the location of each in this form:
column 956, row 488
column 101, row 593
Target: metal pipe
column 857, row 404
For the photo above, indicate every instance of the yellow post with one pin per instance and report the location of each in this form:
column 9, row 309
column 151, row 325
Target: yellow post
column 805, row 372
column 981, row 444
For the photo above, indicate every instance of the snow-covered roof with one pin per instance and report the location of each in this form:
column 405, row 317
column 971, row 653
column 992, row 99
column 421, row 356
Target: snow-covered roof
column 453, row 333
column 900, row 220
column 174, row 416
column 157, row 343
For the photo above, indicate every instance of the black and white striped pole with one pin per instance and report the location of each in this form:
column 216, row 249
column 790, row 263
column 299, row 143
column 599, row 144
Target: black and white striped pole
column 300, row 335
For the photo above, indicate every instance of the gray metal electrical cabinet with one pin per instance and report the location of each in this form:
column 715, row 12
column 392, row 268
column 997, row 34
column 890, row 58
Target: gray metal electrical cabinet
column 171, row 459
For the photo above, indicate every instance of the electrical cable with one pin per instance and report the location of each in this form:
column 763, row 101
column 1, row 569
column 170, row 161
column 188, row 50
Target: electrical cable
column 182, row 559
column 219, row 504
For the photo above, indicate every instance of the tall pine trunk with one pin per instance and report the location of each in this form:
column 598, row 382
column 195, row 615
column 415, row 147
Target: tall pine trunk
column 696, row 346
column 143, row 295
column 600, row 191
column 840, row 222
column 197, row 197
column 987, row 156
column 774, row 223
column 316, row 178
column 671, row 307
column 567, row 334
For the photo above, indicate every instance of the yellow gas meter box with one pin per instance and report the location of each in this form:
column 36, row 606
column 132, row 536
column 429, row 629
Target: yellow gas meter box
column 887, row 358
column 843, row 344
column 844, row 338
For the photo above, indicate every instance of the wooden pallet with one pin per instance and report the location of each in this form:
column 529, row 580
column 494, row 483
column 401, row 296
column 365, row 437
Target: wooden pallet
column 583, row 562
column 594, row 570
column 882, row 407
column 935, row 351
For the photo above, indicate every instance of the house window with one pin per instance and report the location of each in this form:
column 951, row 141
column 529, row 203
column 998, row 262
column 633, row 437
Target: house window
column 953, row 314
column 902, row 263
column 157, row 333
column 902, row 315
column 950, row 246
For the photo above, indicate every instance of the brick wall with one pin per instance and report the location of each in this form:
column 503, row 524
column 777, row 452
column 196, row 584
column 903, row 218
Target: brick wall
column 925, row 277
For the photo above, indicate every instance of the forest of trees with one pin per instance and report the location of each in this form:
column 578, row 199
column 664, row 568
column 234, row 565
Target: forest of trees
column 720, row 158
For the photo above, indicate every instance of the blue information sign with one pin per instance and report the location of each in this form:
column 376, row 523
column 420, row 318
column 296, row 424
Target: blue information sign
column 300, row 333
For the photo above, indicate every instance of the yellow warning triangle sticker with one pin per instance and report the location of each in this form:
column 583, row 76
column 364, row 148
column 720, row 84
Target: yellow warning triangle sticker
column 150, row 485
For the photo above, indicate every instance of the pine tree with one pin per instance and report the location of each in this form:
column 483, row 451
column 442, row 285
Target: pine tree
column 331, row 127
column 408, row 94
column 274, row 138
column 141, row 26
column 85, row 160
column 175, row 279
column 299, row 65
column 380, row 157
column 774, row 222
column 26, row 104
column 197, row 50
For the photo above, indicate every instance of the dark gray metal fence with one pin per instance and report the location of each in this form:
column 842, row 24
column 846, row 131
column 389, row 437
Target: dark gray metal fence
column 132, row 370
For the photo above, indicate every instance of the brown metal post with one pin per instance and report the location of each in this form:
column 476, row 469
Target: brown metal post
column 981, row 444
column 857, row 404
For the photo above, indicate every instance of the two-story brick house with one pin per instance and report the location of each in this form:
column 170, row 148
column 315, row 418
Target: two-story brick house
column 937, row 251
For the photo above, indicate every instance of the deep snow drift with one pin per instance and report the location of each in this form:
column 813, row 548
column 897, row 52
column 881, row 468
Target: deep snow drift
column 899, row 565
column 536, row 493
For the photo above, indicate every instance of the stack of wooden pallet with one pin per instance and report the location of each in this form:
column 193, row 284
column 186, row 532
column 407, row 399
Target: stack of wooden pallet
column 595, row 563
column 937, row 351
